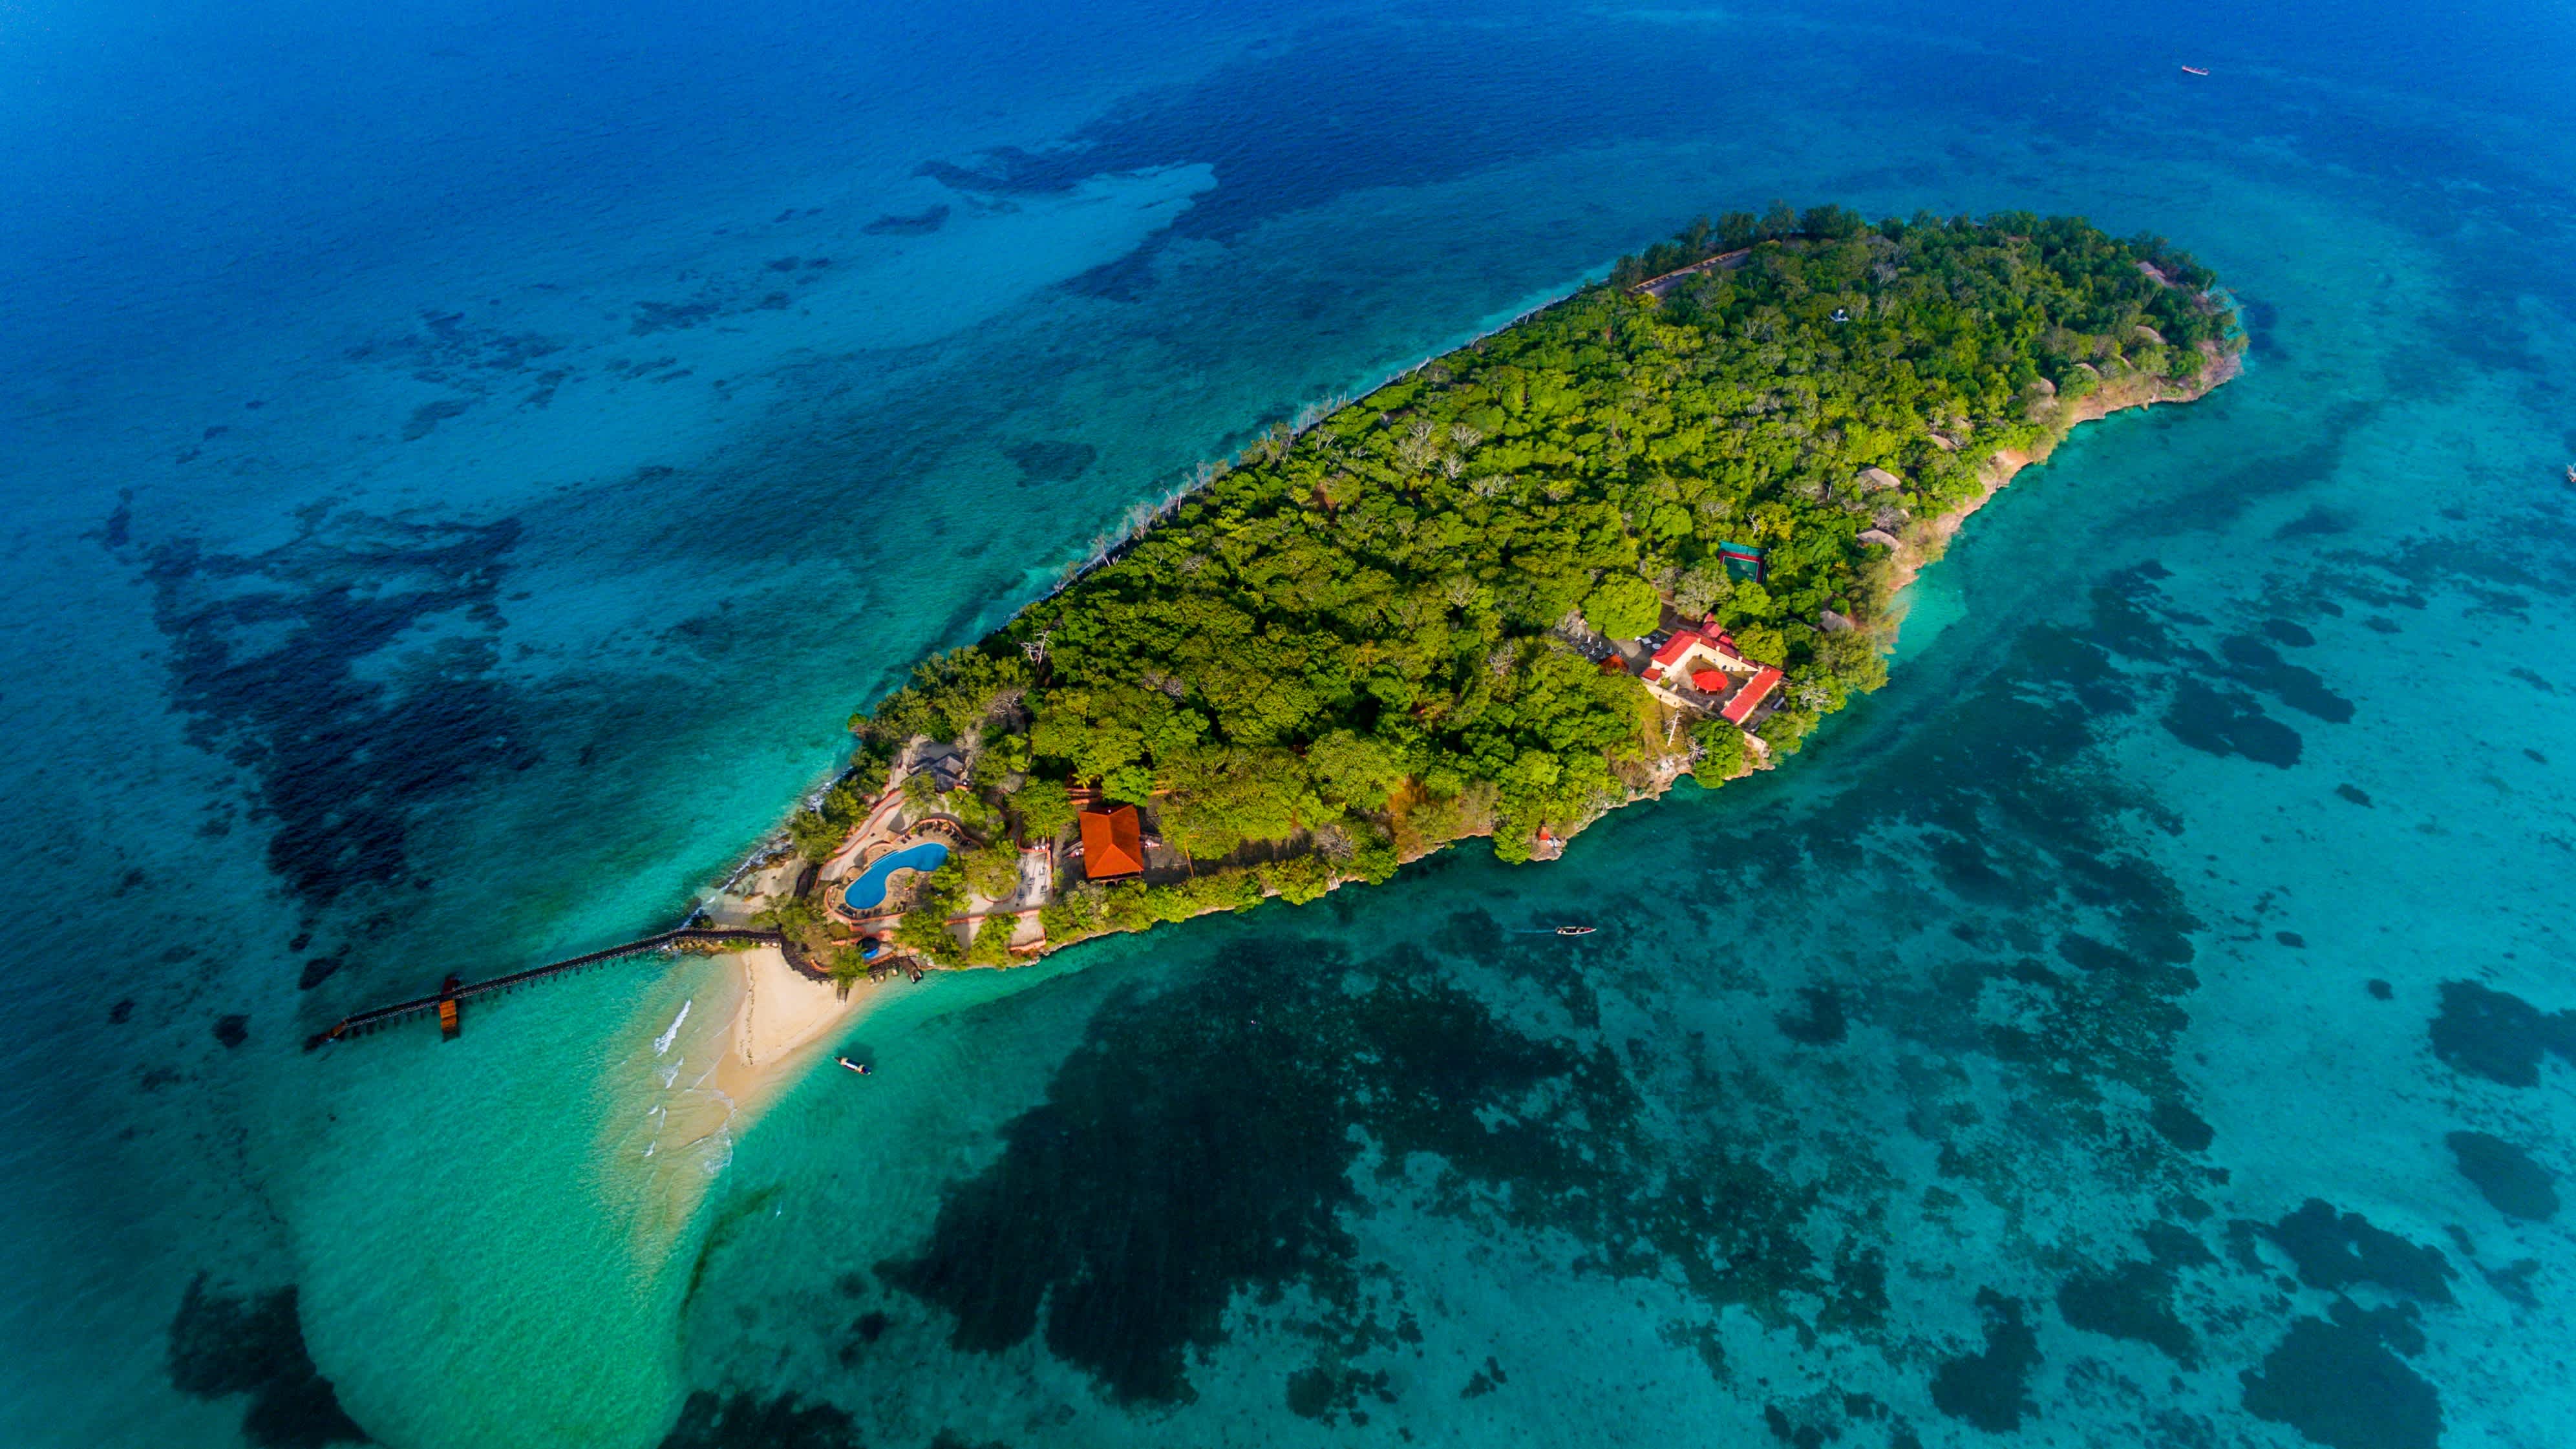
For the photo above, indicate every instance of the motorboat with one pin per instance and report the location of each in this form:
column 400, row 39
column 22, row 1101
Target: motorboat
column 859, row 1067
column 2193, row 70
column 1576, row 930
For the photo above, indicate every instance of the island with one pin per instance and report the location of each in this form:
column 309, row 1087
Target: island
column 1652, row 529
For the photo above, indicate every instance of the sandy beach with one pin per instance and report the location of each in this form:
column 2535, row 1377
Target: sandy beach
column 783, row 1021
column 697, row 1078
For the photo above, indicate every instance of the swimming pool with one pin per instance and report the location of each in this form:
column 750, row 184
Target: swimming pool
column 869, row 891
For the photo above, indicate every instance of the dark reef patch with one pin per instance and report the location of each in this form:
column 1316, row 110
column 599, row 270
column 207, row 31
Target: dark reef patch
column 1819, row 1019
column 426, row 418
column 652, row 317
column 2260, row 665
column 232, row 1031
column 2131, row 1300
column 2335, row 1252
column 1199, row 1144
column 1275, row 123
column 1121, row 279
column 2177, row 1247
column 222, row 1345
column 1991, row 1388
column 920, row 223
column 2228, row 723
column 1052, row 461
column 1194, row 1146
column 2513, row 1281
column 319, row 969
column 2337, row 1384
column 2319, row 521
column 744, row 1421
column 1327, row 1394
column 2262, row 321
column 2517, row 1186
column 1471, row 934
column 2498, row 1036
column 2181, row 1126
column 351, row 673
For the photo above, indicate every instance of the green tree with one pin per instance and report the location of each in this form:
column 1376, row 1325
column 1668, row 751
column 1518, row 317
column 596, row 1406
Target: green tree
column 924, row 928
column 1354, row 769
column 1722, row 750
column 992, row 944
column 1133, row 784
column 924, row 931
column 1046, row 809
column 846, row 966
column 993, row 871
column 1299, row 879
column 1623, row 606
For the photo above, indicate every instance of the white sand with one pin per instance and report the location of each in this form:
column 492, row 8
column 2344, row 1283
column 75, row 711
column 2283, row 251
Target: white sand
column 782, row 1023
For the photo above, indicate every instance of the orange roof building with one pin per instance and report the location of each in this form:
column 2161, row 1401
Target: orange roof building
column 1113, row 843
column 1750, row 697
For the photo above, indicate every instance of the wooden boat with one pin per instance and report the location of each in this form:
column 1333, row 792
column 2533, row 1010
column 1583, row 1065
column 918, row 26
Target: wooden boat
column 859, row 1067
column 2571, row 473
column 1576, row 930
column 2193, row 70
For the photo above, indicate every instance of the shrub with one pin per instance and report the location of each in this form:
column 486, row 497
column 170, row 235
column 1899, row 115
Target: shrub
column 992, row 944
column 1299, row 879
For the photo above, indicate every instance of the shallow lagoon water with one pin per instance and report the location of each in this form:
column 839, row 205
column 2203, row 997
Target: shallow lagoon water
column 1971, row 1078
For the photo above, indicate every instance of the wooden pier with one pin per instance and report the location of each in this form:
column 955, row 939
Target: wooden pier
column 451, row 994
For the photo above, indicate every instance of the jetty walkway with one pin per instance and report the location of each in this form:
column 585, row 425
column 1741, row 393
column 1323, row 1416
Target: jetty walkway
column 443, row 1002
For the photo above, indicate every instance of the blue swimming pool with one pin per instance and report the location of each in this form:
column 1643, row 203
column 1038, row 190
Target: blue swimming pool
column 869, row 891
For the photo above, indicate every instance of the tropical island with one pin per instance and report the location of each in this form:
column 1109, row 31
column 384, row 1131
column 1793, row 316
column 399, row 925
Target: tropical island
column 1655, row 528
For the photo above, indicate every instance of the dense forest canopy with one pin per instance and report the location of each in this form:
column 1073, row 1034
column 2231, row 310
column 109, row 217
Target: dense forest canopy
column 1365, row 630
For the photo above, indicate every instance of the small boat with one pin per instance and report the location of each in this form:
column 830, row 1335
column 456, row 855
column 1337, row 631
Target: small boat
column 859, row 1067
column 2193, row 70
column 2571, row 473
column 1576, row 930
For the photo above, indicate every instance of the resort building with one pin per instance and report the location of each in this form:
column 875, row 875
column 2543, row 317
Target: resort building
column 945, row 766
column 1113, row 843
column 1700, row 670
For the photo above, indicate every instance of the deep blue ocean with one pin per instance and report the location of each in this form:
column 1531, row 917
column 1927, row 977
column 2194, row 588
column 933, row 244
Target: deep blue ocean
column 462, row 464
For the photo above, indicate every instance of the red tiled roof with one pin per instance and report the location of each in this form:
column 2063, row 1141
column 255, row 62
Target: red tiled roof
column 1751, row 696
column 1677, row 646
column 1113, row 843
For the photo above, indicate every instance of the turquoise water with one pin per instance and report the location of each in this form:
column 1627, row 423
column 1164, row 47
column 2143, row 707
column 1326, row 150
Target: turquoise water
column 450, row 456
column 868, row 890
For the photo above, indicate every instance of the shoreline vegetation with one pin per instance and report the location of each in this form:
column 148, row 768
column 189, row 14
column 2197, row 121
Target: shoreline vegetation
column 1655, row 528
